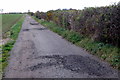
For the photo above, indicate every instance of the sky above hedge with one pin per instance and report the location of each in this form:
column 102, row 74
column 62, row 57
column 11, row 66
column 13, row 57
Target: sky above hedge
column 45, row 5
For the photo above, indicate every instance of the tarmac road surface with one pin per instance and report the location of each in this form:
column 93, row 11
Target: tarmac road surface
column 41, row 53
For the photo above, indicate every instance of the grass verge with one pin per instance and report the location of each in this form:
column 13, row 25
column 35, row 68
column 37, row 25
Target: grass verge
column 106, row 52
column 14, row 31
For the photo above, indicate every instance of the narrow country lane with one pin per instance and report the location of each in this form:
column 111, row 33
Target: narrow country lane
column 41, row 53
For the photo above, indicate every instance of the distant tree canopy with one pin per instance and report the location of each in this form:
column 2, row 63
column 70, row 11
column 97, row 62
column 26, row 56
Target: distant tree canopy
column 100, row 23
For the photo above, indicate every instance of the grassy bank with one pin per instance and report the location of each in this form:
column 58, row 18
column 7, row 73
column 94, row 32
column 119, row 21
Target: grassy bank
column 13, row 34
column 106, row 52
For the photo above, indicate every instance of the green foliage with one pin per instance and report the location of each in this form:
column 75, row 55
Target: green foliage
column 73, row 37
column 7, row 47
column 15, row 30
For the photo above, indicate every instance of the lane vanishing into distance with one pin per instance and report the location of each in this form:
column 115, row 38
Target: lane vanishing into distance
column 41, row 53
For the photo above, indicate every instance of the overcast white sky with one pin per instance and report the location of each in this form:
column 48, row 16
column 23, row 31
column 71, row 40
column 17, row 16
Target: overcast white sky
column 45, row 5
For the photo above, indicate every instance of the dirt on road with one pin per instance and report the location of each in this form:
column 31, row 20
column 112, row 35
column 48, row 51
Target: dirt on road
column 41, row 53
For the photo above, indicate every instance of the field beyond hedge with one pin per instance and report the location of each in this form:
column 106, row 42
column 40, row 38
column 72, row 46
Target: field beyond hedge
column 8, row 20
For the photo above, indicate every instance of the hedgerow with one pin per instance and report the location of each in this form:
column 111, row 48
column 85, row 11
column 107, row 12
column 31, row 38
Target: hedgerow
column 99, row 23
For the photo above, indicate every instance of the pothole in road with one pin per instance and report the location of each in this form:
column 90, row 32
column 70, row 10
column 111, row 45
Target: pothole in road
column 74, row 63
column 26, row 29
column 35, row 29
column 39, row 28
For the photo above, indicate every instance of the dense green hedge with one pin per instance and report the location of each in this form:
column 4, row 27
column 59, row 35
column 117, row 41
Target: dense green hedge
column 99, row 24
